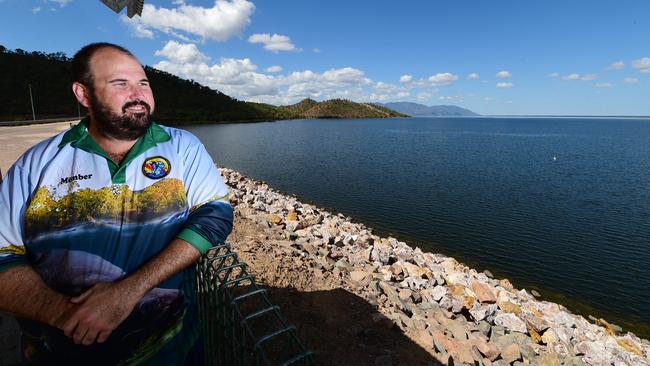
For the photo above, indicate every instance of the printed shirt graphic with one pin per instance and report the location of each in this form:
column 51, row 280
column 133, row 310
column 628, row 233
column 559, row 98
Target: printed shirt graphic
column 78, row 219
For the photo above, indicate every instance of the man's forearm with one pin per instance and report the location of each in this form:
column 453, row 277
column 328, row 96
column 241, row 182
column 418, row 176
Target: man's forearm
column 177, row 256
column 24, row 294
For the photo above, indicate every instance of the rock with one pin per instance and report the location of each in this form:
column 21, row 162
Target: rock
column 358, row 276
column 488, row 274
column 509, row 307
column 458, row 329
column 506, row 284
column 548, row 359
column 484, row 327
column 510, row 322
column 483, row 292
column 292, row 216
column 405, row 294
column 511, row 353
column 417, row 271
column 535, row 293
column 438, row 292
column 292, row 226
column 274, row 219
column 425, row 338
column 629, row 346
column 573, row 361
column 549, row 337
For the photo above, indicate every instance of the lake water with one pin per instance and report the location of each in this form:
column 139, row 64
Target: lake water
column 560, row 205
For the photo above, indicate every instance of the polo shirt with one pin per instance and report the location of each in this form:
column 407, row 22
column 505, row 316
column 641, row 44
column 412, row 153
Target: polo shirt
column 78, row 218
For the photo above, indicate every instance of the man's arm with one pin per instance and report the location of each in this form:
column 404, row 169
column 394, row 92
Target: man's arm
column 24, row 294
column 105, row 305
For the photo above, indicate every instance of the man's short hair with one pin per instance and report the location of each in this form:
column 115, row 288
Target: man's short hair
column 81, row 61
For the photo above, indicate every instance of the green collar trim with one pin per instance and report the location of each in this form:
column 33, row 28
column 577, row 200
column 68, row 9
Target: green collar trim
column 79, row 137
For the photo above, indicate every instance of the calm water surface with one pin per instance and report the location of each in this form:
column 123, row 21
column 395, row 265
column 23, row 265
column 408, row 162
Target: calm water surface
column 561, row 205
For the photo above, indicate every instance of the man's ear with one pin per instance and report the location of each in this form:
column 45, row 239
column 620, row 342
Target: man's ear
column 81, row 93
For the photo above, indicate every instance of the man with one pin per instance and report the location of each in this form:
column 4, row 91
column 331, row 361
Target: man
column 101, row 225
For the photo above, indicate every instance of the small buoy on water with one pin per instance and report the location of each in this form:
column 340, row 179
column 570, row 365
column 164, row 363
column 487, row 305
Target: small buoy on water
column 554, row 158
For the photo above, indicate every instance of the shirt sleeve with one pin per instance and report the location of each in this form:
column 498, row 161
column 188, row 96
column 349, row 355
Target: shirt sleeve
column 14, row 193
column 210, row 219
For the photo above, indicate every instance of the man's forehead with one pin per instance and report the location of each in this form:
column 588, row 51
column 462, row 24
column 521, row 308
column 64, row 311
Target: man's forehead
column 109, row 62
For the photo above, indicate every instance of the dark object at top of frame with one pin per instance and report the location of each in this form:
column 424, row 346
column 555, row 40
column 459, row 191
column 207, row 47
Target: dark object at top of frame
column 133, row 7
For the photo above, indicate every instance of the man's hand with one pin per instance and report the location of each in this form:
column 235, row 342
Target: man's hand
column 103, row 307
column 99, row 311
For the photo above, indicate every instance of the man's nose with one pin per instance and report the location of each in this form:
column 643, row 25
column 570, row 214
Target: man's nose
column 136, row 91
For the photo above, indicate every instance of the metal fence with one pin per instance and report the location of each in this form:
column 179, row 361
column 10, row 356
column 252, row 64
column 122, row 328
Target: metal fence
column 240, row 325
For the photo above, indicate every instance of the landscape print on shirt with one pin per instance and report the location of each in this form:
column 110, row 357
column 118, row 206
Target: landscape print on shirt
column 80, row 237
column 106, row 205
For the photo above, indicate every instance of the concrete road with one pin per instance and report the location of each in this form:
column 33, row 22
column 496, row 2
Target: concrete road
column 14, row 141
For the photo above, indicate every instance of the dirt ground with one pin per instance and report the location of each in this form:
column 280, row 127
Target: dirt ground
column 339, row 326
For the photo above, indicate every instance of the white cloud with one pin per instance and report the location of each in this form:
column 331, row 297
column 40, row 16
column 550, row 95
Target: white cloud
column 275, row 42
column 225, row 19
column 424, row 96
column 61, row 3
column 442, row 79
column 604, row 85
column 182, row 53
column 589, row 77
column 630, row 80
column 618, row 65
column 574, row 76
column 403, row 94
column 553, row 75
column 274, row 69
column 505, row 85
column 36, row 9
column 473, row 76
column 571, row 77
column 642, row 64
column 317, row 50
column 504, row 74
column 406, row 78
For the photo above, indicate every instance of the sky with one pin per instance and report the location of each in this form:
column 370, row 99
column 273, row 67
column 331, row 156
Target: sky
column 494, row 57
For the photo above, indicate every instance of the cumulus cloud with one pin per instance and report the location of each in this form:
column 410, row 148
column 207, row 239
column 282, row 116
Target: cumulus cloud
column 574, row 76
column 571, row 77
column 630, row 80
column 225, row 19
column 553, row 75
column 35, row 10
column 403, row 94
column 504, row 74
column 473, row 76
column 182, row 53
column 442, row 79
column 274, row 69
column 642, row 64
column 618, row 65
column 604, row 85
column 424, row 96
column 275, row 42
column 505, row 85
column 61, row 3
column 317, row 50
column 406, row 78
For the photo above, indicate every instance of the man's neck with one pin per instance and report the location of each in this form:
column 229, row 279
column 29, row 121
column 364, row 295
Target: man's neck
column 116, row 149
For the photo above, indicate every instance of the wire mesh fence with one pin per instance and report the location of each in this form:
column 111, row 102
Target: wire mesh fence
column 240, row 325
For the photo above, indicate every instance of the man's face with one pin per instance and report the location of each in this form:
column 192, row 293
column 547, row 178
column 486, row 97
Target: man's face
column 121, row 100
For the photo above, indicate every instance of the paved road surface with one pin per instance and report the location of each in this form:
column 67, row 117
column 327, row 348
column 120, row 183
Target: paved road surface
column 14, row 141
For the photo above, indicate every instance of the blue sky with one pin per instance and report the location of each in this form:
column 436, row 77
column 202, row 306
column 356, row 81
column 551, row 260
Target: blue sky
column 493, row 57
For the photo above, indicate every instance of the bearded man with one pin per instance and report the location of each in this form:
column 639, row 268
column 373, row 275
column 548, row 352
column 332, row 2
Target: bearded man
column 102, row 223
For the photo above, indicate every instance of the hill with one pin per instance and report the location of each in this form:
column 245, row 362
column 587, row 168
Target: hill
column 339, row 108
column 416, row 109
column 178, row 101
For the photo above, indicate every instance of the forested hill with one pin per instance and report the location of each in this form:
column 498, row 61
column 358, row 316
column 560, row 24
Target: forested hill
column 178, row 101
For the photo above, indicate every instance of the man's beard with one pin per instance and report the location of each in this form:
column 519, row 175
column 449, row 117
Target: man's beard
column 120, row 127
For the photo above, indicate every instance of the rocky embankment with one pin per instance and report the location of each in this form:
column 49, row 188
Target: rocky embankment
column 458, row 315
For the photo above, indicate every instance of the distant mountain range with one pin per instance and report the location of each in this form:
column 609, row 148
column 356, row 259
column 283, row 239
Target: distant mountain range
column 416, row 109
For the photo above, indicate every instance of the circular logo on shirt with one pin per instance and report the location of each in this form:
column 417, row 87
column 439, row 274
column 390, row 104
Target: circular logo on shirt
column 156, row 167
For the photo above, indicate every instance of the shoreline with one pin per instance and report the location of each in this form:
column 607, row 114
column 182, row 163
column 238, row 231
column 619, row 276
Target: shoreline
column 431, row 298
column 446, row 307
